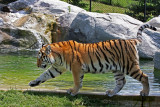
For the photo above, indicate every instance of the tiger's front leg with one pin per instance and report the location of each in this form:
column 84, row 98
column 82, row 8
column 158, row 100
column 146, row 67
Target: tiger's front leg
column 48, row 74
column 78, row 79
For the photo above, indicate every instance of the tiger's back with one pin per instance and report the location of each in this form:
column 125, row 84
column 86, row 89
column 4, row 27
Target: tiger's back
column 103, row 56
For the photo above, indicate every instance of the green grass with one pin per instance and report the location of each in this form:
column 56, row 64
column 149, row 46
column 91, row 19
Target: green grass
column 101, row 8
column 14, row 98
column 119, row 3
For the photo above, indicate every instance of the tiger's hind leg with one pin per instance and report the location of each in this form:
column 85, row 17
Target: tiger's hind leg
column 137, row 74
column 120, row 82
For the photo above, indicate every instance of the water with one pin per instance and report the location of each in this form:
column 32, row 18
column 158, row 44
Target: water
column 16, row 71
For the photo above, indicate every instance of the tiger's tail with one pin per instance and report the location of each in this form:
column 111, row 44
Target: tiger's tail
column 139, row 33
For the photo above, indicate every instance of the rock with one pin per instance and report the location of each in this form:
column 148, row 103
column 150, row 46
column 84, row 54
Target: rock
column 1, row 21
column 55, row 7
column 155, row 21
column 26, row 31
column 18, row 38
column 94, row 27
column 157, row 60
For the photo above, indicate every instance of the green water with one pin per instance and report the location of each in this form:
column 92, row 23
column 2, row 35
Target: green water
column 16, row 71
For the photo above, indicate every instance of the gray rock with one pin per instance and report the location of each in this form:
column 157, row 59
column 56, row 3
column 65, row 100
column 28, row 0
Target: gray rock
column 157, row 60
column 94, row 27
column 55, row 7
column 17, row 39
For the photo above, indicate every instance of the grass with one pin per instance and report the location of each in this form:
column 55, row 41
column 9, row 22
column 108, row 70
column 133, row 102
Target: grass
column 101, row 8
column 13, row 98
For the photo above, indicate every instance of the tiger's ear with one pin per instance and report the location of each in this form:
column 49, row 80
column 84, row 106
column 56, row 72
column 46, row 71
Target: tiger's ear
column 42, row 44
column 48, row 50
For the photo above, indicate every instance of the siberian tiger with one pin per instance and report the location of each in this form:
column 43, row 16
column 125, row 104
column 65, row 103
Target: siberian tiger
column 119, row 56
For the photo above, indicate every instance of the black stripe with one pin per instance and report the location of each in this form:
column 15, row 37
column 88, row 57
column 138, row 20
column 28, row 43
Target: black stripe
column 109, row 51
column 105, row 57
column 117, row 48
column 58, row 71
column 63, row 43
column 98, row 47
column 85, row 48
column 122, row 79
column 74, row 45
column 122, row 55
column 141, row 77
column 110, row 43
column 127, row 46
column 59, row 44
column 114, row 64
column 88, row 68
column 107, row 66
column 59, row 55
column 134, row 72
column 120, row 63
column 91, row 61
column 78, row 59
column 133, row 46
column 78, row 47
column 70, row 66
column 118, row 75
column 72, row 50
column 51, row 74
column 127, row 67
column 110, row 67
column 136, row 76
column 100, row 64
column 82, row 77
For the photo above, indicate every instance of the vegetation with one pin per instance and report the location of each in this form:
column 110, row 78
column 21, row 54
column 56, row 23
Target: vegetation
column 101, row 8
column 134, row 8
column 6, row 1
column 137, row 9
column 118, row 3
column 14, row 98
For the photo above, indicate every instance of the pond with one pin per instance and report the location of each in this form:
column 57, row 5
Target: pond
column 16, row 71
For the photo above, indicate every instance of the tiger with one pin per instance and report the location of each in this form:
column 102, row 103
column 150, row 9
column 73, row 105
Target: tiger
column 119, row 56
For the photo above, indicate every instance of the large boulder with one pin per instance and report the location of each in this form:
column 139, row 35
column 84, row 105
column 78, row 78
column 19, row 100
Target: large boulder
column 55, row 7
column 94, row 27
column 157, row 60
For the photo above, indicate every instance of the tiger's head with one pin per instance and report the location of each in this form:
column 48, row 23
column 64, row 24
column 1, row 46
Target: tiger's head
column 45, row 56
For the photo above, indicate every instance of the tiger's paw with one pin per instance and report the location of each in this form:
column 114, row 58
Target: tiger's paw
column 71, row 92
column 34, row 83
column 110, row 93
column 143, row 93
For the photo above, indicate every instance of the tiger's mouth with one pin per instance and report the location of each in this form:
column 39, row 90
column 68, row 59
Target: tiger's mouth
column 43, row 66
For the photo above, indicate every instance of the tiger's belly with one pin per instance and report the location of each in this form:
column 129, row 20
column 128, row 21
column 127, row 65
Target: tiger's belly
column 97, row 67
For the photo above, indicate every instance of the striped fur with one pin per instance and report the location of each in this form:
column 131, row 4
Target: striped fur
column 119, row 56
